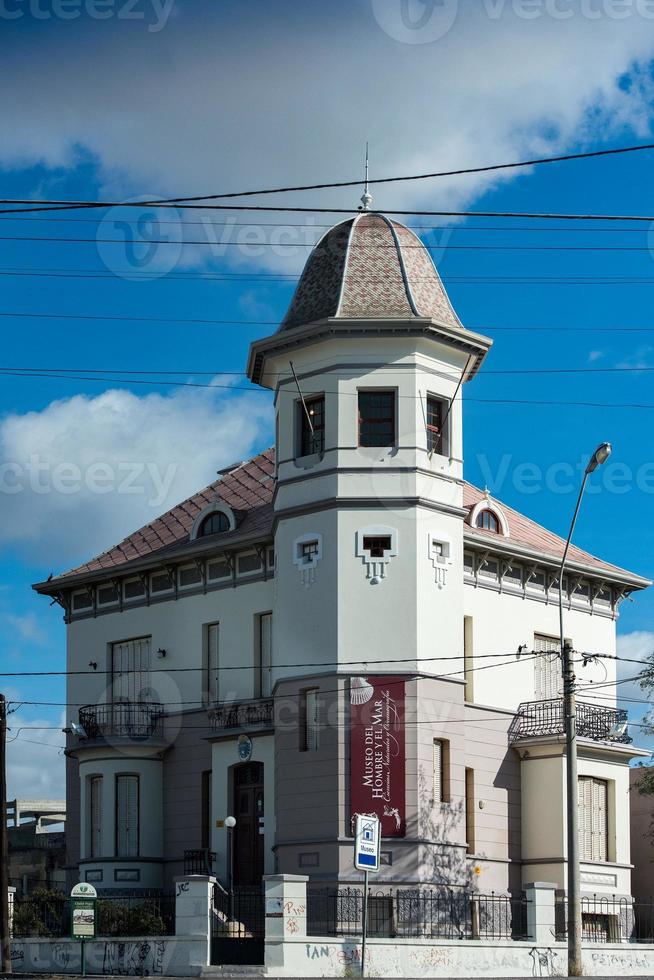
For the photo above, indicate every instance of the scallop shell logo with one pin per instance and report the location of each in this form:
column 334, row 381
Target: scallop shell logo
column 360, row 690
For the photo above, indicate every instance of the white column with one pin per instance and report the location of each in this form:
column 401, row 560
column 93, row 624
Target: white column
column 541, row 926
column 193, row 908
column 286, row 914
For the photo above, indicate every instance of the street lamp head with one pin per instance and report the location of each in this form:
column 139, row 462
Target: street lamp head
column 599, row 457
column 230, row 822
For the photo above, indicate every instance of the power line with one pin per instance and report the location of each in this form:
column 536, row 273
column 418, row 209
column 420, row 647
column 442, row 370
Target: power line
column 363, row 664
column 244, row 245
column 536, row 161
column 573, row 328
column 263, row 391
column 242, row 374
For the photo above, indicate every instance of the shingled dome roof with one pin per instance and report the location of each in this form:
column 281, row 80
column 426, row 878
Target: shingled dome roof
column 369, row 266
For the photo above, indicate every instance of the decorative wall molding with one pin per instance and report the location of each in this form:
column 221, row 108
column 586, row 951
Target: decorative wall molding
column 306, row 563
column 439, row 552
column 376, row 565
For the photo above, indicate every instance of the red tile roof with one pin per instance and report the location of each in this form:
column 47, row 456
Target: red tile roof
column 248, row 489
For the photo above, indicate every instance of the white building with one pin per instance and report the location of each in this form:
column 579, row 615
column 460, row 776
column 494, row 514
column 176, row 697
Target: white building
column 343, row 623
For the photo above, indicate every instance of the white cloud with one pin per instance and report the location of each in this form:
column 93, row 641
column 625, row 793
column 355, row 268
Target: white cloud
column 26, row 627
column 35, row 762
column 230, row 96
column 85, row 471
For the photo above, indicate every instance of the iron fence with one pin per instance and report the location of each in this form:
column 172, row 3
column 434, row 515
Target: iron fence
column 607, row 919
column 413, row 912
column 243, row 714
column 46, row 914
column 594, row 721
column 199, row 861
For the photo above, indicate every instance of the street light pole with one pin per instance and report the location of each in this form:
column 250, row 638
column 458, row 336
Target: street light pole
column 575, row 965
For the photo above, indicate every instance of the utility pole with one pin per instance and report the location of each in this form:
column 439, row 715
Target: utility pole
column 4, row 850
column 575, row 961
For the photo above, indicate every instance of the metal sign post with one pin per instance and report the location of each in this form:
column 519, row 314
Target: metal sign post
column 367, row 841
column 82, row 916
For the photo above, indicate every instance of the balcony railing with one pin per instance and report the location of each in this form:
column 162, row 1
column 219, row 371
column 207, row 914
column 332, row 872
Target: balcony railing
column 594, row 721
column 199, row 861
column 136, row 720
column 243, row 714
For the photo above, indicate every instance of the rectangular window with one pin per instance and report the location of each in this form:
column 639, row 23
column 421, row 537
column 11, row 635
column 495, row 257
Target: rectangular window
column 127, row 816
column 82, row 600
column 161, row 582
column 130, row 670
column 593, row 819
column 468, row 653
column 218, row 569
column 95, row 816
column 312, row 441
column 213, row 668
column 441, row 770
column 376, row 418
column 248, row 563
column 470, row 811
column 107, row 594
column 190, row 575
column 437, row 441
column 264, row 654
column 308, row 551
column 206, row 809
column 376, row 547
column 309, row 720
column 547, row 668
column 133, row 588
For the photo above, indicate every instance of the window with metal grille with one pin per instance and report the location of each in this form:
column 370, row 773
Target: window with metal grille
column 548, row 681
column 309, row 720
column 127, row 816
column 95, row 816
column 593, row 818
column 488, row 521
column 312, row 436
column 264, row 655
column 436, row 434
column 212, row 632
column 308, row 551
column 376, row 546
column 376, row 418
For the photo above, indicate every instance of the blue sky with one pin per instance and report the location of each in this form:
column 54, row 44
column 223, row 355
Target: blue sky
column 222, row 98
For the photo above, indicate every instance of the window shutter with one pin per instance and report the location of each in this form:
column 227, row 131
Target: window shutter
column 213, row 685
column 599, row 817
column 438, row 771
column 265, row 639
column 127, row 816
column 95, row 849
column 585, row 818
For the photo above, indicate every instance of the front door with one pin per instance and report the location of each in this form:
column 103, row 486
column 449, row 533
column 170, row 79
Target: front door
column 248, row 833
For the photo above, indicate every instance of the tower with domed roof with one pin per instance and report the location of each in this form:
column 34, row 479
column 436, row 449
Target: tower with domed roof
column 367, row 368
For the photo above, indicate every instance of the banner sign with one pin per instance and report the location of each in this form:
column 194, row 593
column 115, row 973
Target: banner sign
column 377, row 751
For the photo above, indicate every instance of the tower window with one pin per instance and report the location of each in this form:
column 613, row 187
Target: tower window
column 377, row 418
column 377, row 546
column 436, row 436
column 312, row 441
column 215, row 523
column 487, row 520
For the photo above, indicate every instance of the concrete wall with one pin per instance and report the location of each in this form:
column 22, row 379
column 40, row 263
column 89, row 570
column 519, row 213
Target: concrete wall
column 168, row 956
column 324, row 957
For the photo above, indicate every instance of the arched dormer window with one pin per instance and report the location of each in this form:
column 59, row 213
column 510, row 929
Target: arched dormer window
column 215, row 519
column 488, row 521
column 487, row 515
column 214, row 523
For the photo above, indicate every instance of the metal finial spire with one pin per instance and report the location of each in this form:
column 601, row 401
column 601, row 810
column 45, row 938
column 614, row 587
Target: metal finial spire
column 366, row 197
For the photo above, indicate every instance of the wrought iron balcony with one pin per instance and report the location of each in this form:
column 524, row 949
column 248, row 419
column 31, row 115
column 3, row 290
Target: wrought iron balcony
column 136, row 720
column 242, row 714
column 594, row 721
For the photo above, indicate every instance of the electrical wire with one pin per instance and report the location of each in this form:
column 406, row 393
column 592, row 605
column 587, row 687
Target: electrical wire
column 211, row 322
column 262, row 391
column 219, row 372
column 536, row 161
